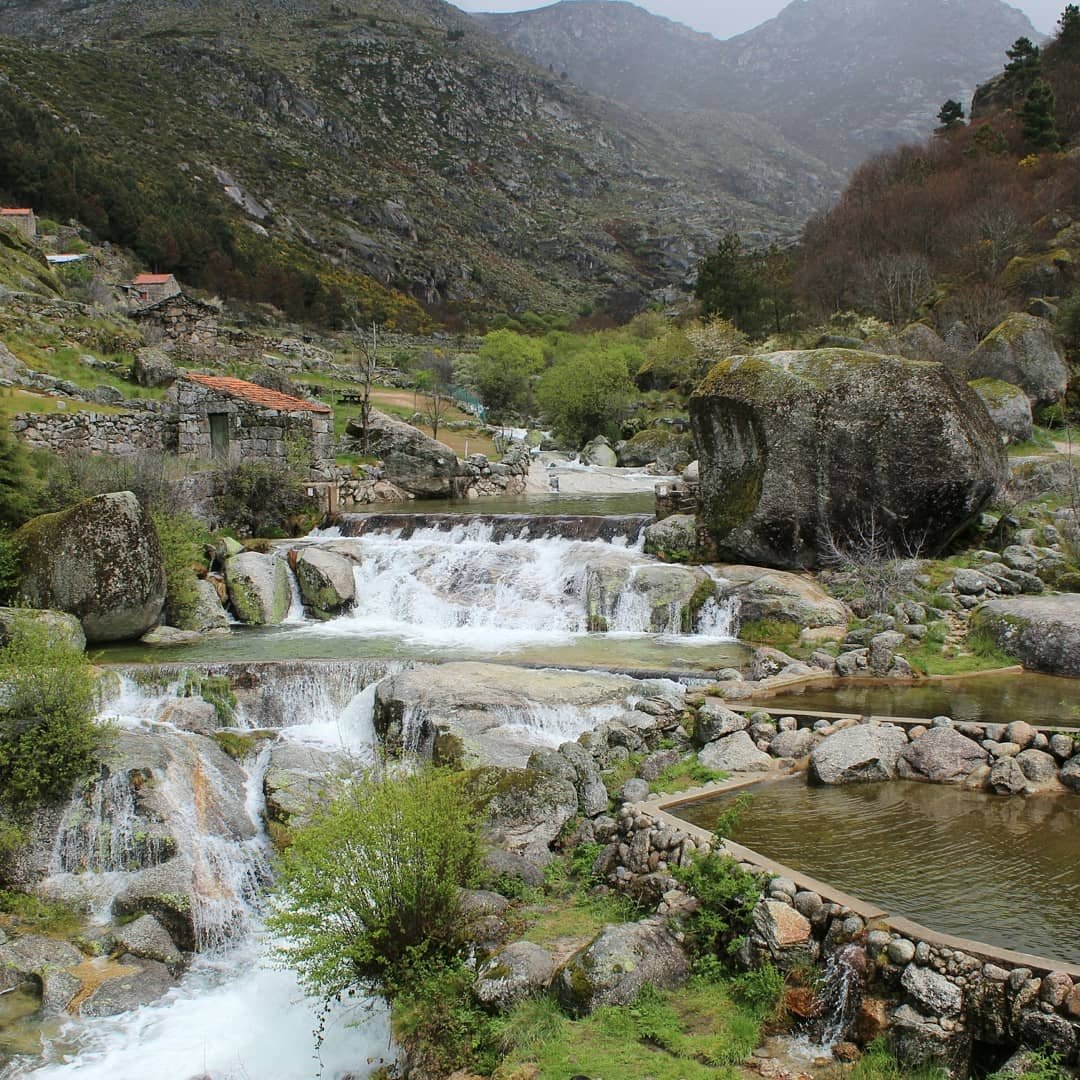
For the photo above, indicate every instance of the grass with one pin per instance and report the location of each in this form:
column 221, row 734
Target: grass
column 979, row 653
column 40, row 916
column 696, row 1032
column 14, row 400
column 683, row 775
column 779, row 633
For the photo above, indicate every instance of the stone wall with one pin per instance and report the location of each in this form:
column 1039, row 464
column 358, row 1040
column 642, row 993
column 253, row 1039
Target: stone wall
column 119, row 434
column 676, row 497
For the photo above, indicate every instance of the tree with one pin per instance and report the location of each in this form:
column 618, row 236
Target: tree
column 368, row 894
column 504, row 369
column 729, row 285
column 585, row 393
column 436, row 372
column 1024, row 66
column 899, row 285
column 1038, row 116
column 1068, row 39
column 950, row 117
column 366, row 358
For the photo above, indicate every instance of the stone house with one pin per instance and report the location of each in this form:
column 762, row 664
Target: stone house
column 151, row 288
column 180, row 320
column 21, row 219
column 233, row 421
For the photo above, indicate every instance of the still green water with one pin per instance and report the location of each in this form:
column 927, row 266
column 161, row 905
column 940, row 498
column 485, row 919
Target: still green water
column 1000, row 870
column 1039, row 699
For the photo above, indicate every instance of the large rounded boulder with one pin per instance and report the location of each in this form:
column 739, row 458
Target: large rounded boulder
column 1021, row 350
column 804, row 451
column 99, row 561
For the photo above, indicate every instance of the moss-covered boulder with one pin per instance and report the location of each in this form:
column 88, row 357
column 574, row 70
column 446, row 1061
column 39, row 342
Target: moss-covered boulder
column 62, row 629
column 671, row 450
column 1021, row 350
column 618, row 964
column 327, row 583
column 1042, row 632
column 259, row 588
column 1008, row 407
column 801, row 450
column 99, row 561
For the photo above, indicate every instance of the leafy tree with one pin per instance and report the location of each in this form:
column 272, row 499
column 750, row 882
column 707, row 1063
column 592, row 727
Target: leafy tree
column 368, row 893
column 1038, row 116
column 585, row 393
column 18, row 482
column 950, row 116
column 504, row 369
column 728, row 285
column 48, row 737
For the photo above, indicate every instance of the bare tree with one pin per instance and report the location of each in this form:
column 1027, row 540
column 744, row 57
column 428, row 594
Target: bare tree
column 899, row 286
column 366, row 357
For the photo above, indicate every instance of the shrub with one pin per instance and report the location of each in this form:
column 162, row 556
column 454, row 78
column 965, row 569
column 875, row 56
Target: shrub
column 368, row 894
column 183, row 539
column 48, row 737
column 260, row 500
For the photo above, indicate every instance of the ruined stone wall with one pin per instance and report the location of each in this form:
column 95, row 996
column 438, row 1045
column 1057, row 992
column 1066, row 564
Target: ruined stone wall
column 119, row 434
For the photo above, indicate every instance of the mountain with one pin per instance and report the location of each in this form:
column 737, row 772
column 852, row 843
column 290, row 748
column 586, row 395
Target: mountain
column 305, row 152
column 841, row 79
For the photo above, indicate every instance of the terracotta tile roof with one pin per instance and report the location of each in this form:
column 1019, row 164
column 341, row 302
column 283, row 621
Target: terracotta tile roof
column 12, row 212
column 152, row 279
column 258, row 395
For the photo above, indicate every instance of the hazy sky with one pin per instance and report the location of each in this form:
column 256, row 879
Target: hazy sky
column 726, row 17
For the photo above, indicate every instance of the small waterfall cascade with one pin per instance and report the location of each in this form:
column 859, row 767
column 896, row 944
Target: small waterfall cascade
column 467, row 586
column 719, row 617
column 841, row 992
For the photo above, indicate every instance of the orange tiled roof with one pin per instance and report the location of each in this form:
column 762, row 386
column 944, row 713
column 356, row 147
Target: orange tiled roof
column 15, row 212
column 258, row 395
column 152, row 279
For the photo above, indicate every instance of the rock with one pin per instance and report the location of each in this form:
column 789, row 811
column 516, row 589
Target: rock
column 592, row 793
column 153, row 368
column 34, row 958
column 901, row 951
column 1021, row 733
column 617, row 963
column 917, row 341
column 1042, row 632
column 163, row 891
column 206, row 613
column 61, row 628
column 674, row 536
column 919, row 1042
column 941, row 756
column 191, row 714
column 1070, row 773
column 599, row 452
column 1007, row 778
column 146, row 937
column 670, row 450
column 1038, row 767
column 476, row 903
column 259, row 589
column 735, row 753
column 883, row 648
column 521, row 970
column 969, row 582
column 780, row 929
column 1009, row 408
column 713, row 722
column 779, row 596
column 411, row 460
column 144, row 983
column 168, row 636
column 99, row 561
column 866, row 752
column 800, row 446
column 1050, row 1033
column 634, row 791
column 326, row 581
column 528, row 810
column 506, row 865
column 1021, row 350
column 792, row 744
column 932, row 993
column 656, row 763
column 296, row 780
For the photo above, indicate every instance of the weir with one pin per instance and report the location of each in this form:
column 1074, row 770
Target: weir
column 606, row 527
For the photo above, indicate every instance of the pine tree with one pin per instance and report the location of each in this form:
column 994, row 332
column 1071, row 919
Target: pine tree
column 1068, row 39
column 1038, row 115
column 950, row 116
column 1024, row 66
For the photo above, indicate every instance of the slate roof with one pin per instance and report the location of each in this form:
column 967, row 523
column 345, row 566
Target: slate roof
column 258, row 395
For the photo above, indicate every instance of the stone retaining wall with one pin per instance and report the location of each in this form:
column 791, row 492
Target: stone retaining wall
column 119, row 434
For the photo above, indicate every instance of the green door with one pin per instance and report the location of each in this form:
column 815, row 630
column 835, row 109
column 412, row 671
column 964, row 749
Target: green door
column 219, row 435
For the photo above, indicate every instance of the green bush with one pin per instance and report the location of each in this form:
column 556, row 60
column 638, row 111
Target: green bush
column 368, row 894
column 260, row 500
column 183, row 539
column 48, row 737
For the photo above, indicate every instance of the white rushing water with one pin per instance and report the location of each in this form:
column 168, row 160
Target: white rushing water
column 235, row 1014
column 459, row 587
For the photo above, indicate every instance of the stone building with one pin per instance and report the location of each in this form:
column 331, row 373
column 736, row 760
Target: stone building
column 234, row 421
column 151, row 288
column 21, row 219
column 180, row 320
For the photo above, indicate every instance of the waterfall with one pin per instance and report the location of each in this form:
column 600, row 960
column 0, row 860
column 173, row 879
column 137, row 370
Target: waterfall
column 719, row 617
column 841, row 992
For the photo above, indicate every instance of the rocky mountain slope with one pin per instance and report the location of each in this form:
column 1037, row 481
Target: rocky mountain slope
column 840, row 78
column 389, row 139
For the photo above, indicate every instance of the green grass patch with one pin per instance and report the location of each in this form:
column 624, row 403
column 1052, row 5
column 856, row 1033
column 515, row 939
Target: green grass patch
column 683, row 775
column 38, row 915
column 979, row 653
column 779, row 633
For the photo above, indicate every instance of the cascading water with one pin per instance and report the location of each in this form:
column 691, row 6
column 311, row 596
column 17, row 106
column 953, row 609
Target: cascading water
column 841, row 992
